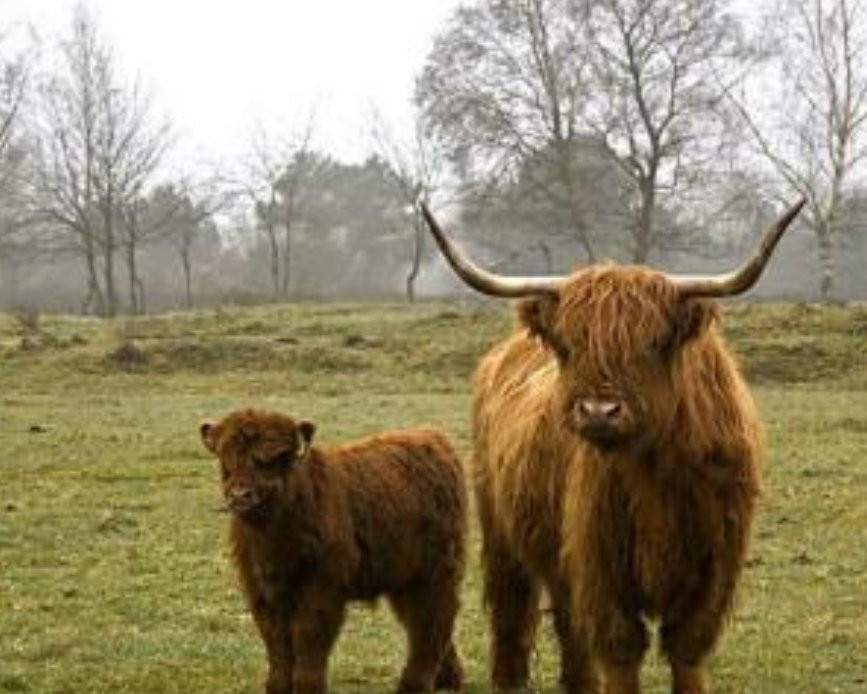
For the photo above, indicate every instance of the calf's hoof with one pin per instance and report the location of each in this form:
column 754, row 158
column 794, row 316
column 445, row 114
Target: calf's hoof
column 278, row 685
column 450, row 675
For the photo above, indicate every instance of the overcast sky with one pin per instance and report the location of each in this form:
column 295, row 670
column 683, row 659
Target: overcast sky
column 217, row 68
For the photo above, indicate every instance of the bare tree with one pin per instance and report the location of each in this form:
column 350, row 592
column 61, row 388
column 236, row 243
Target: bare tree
column 528, row 87
column 277, row 180
column 15, row 68
column 815, row 135
column 657, row 99
column 415, row 170
column 182, row 213
column 203, row 201
column 13, row 80
column 505, row 84
column 99, row 149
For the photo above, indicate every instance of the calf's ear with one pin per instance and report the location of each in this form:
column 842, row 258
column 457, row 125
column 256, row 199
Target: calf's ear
column 304, row 432
column 306, row 429
column 206, row 431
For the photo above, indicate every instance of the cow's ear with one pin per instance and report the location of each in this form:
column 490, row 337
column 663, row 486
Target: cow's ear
column 538, row 314
column 207, row 431
column 694, row 316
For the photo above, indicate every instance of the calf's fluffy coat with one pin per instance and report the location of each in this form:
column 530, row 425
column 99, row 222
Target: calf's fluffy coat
column 313, row 529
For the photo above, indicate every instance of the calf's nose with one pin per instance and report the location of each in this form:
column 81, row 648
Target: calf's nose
column 241, row 495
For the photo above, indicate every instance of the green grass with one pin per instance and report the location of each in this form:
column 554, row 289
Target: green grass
column 114, row 575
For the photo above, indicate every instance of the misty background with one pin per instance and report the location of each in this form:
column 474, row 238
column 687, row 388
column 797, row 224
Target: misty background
column 545, row 133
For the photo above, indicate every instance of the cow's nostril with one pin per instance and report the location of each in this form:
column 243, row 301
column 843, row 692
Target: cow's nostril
column 610, row 410
column 599, row 410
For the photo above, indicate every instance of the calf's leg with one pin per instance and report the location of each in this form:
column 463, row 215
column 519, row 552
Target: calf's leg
column 451, row 673
column 428, row 615
column 314, row 632
column 275, row 628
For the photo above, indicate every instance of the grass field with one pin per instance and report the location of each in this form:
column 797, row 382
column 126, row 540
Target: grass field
column 114, row 574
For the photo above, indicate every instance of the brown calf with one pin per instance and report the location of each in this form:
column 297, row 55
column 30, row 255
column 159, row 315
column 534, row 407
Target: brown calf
column 313, row 529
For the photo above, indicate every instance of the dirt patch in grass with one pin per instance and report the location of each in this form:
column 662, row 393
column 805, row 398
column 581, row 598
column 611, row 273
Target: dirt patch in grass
column 127, row 357
column 213, row 355
column 772, row 362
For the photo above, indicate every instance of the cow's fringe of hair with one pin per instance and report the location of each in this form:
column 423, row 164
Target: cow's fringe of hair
column 707, row 475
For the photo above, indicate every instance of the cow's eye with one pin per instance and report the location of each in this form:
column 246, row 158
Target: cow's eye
column 561, row 350
column 663, row 346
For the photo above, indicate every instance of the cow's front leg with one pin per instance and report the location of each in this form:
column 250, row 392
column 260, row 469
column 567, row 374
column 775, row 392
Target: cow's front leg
column 512, row 597
column 619, row 641
column 577, row 671
column 687, row 643
column 691, row 628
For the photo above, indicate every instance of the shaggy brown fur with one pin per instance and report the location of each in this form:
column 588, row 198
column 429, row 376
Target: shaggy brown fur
column 640, row 509
column 313, row 529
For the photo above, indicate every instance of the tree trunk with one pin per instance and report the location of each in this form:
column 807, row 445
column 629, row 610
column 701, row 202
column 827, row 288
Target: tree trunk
column 186, row 262
column 108, row 249
column 133, row 279
column 644, row 223
column 415, row 264
column 140, row 294
column 94, row 300
column 108, row 279
column 287, row 258
column 825, row 239
column 273, row 244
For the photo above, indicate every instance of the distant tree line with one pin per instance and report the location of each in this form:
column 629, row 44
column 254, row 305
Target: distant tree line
column 642, row 126
column 558, row 131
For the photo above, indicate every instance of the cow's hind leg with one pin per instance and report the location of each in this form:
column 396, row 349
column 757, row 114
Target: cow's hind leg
column 428, row 615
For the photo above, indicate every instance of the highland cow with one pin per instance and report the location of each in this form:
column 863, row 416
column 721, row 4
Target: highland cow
column 314, row 528
column 615, row 465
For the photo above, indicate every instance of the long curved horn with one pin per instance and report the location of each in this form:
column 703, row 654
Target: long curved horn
column 745, row 276
column 482, row 280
